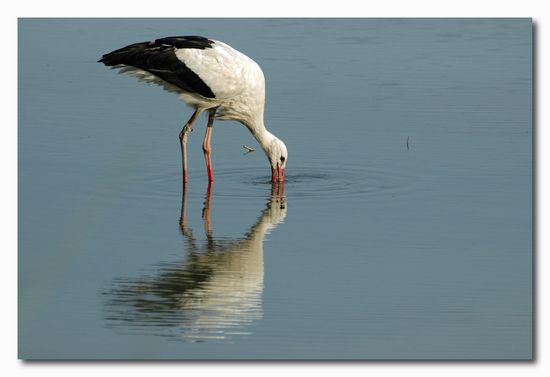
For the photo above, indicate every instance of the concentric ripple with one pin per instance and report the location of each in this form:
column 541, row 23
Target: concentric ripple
column 304, row 183
column 315, row 183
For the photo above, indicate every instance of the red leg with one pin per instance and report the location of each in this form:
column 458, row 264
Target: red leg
column 183, row 142
column 206, row 147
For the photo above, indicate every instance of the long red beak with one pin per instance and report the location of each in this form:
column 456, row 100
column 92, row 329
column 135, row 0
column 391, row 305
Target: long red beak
column 277, row 174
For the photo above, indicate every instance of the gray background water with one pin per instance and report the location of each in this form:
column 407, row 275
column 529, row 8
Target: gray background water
column 405, row 226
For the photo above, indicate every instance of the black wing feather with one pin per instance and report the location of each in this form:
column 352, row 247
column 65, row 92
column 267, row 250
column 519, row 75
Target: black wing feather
column 190, row 41
column 159, row 58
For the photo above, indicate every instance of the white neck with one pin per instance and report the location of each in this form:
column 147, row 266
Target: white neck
column 261, row 134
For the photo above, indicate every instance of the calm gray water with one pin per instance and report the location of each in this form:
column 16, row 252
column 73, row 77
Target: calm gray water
column 404, row 229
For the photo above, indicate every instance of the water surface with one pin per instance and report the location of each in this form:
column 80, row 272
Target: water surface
column 403, row 230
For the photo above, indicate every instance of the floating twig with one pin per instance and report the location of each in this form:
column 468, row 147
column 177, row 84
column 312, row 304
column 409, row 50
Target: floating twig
column 407, row 143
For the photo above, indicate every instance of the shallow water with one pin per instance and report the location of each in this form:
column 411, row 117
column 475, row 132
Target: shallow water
column 403, row 231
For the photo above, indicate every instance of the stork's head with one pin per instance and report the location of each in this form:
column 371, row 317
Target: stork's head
column 278, row 156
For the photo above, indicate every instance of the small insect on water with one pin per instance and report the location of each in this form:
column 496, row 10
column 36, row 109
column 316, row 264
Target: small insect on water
column 248, row 149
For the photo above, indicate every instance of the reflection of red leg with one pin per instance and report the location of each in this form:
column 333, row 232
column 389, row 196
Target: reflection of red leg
column 185, row 230
column 183, row 142
column 206, row 210
column 206, row 147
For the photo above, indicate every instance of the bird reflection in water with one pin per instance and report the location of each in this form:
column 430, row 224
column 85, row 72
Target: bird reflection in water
column 215, row 294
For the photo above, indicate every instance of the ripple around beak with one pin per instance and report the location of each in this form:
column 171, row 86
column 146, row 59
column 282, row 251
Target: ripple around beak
column 312, row 183
column 300, row 181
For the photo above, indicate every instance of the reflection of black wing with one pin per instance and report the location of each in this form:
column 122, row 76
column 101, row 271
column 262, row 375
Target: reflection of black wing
column 159, row 58
column 151, row 299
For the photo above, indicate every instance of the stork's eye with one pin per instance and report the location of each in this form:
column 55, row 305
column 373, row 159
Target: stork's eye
column 282, row 159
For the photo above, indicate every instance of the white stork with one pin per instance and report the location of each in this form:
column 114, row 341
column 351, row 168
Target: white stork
column 208, row 75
